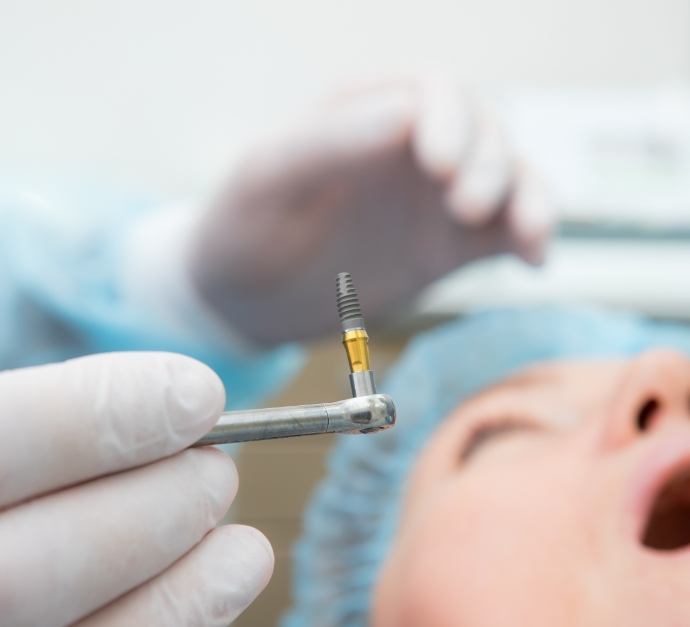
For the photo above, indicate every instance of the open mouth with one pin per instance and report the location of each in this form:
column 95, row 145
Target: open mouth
column 668, row 526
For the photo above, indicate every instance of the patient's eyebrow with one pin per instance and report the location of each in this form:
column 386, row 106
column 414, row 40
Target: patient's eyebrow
column 490, row 431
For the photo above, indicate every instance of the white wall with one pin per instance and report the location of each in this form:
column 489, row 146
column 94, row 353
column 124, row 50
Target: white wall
column 163, row 93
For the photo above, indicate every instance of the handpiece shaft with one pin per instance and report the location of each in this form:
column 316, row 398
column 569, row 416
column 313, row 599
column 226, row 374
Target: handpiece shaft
column 363, row 414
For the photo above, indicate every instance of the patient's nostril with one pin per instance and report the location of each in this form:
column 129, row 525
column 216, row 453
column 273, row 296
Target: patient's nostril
column 646, row 414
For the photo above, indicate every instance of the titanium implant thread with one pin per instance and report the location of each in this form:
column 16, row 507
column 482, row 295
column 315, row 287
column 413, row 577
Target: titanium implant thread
column 349, row 309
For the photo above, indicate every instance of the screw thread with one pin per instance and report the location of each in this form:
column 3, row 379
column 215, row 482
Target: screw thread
column 349, row 309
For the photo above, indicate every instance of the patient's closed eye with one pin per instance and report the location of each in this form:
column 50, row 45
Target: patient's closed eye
column 490, row 431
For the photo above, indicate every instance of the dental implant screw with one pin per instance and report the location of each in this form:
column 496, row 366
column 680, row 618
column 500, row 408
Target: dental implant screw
column 349, row 309
column 355, row 337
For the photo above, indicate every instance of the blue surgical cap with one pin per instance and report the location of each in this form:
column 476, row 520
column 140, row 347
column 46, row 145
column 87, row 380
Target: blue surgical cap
column 352, row 518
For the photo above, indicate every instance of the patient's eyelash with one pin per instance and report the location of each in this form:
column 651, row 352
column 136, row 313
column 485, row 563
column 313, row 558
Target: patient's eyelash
column 487, row 430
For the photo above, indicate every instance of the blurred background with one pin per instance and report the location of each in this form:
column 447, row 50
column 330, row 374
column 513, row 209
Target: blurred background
column 162, row 98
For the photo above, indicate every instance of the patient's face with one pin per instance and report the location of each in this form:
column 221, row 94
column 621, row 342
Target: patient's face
column 559, row 497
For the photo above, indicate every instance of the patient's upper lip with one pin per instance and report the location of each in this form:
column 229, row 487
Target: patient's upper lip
column 666, row 456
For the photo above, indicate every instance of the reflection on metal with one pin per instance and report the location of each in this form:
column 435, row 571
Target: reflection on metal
column 364, row 414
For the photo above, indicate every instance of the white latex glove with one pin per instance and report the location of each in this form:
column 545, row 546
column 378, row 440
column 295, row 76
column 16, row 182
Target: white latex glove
column 101, row 518
column 397, row 184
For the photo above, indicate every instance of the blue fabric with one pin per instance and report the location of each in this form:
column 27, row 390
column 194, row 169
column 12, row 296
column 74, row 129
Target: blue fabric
column 60, row 288
column 352, row 516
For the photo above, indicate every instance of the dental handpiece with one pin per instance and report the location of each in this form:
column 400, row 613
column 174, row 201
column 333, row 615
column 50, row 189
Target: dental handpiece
column 366, row 412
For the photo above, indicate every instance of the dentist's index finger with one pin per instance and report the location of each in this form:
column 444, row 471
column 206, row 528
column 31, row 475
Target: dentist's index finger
column 531, row 215
column 64, row 423
column 445, row 127
column 482, row 182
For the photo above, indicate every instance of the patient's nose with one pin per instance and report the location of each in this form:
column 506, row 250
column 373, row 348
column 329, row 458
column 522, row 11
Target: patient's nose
column 654, row 390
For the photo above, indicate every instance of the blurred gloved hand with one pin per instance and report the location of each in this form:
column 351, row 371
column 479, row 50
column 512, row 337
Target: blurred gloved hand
column 102, row 520
column 397, row 184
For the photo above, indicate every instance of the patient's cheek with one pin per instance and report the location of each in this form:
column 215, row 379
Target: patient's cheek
column 480, row 552
column 434, row 574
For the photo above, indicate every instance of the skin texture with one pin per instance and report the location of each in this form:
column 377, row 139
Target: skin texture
column 541, row 525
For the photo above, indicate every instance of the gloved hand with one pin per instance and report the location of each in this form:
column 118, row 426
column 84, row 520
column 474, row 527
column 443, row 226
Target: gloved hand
column 397, row 184
column 102, row 520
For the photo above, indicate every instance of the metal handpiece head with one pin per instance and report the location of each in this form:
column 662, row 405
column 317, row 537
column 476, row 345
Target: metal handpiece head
column 366, row 414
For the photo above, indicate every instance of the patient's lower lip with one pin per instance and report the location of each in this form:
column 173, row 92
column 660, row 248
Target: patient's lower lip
column 661, row 463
